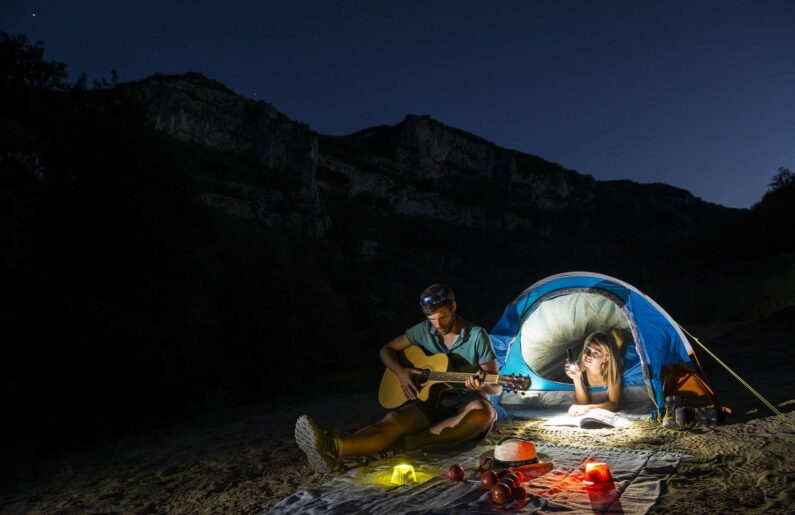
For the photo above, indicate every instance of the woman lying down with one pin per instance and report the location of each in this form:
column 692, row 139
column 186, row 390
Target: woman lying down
column 599, row 364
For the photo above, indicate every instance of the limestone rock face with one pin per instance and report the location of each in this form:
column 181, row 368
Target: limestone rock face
column 265, row 207
column 196, row 109
column 423, row 168
column 428, row 149
column 418, row 169
column 425, row 147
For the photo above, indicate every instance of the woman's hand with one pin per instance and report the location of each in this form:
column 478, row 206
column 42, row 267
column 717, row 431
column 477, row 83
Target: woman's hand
column 573, row 371
column 408, row 383
column 475, row 382
column 579, row 409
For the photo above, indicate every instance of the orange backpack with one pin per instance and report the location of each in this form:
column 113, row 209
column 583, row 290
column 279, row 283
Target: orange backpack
column 684, row 382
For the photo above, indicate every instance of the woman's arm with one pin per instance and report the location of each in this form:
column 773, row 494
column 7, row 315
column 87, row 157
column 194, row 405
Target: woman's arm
column 611, row 404
column 580, row 392
column 613, row 401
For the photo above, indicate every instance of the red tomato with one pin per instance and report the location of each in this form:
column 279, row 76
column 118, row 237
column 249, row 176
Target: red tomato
column 500, row 493
column 455, row 472
column 488, row 480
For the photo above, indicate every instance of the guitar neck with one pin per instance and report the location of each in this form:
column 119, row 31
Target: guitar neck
column 460, row 377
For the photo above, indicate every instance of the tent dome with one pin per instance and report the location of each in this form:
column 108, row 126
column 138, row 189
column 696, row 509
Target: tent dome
column 556, row 313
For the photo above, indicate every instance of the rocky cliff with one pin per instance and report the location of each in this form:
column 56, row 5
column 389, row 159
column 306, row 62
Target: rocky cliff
column 195, row 109
column 416, row 172
column 422, row 168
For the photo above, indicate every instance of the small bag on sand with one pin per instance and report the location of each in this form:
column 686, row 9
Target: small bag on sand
column 684, row 382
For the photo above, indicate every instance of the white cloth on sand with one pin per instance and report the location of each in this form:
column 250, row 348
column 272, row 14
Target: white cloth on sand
column 636, row 485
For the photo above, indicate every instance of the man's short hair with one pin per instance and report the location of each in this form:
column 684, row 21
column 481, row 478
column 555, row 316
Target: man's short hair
column 436, row 296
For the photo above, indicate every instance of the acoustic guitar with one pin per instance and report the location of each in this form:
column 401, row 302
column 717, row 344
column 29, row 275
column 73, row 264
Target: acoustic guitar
column 434, row 372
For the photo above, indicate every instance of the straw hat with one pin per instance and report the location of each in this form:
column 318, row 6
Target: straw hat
column 513, row 453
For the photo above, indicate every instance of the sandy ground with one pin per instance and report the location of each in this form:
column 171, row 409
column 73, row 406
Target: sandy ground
column 746, row 465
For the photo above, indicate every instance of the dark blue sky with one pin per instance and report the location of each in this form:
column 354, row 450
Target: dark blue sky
column 697, row 94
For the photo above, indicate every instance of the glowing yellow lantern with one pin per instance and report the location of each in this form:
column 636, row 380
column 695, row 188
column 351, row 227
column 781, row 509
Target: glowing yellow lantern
column 403, row 474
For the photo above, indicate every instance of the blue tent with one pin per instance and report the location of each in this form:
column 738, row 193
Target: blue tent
column 554, row 314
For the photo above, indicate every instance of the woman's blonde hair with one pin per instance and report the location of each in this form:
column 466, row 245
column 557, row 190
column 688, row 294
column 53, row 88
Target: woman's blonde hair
column 611, row 371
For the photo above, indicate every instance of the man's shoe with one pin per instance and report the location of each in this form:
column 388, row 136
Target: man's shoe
column 320, row 448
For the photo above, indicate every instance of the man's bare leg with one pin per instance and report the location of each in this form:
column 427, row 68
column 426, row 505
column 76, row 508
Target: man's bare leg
column 377, row 437
column 476, row 417
column 324, row 451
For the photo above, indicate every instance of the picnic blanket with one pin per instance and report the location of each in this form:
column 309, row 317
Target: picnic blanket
column 637, row 477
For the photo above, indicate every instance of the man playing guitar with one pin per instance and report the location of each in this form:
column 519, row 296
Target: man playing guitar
column 454, row 414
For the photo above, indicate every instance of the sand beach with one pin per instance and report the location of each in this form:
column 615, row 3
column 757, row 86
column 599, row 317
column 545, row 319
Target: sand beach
column 746, row 464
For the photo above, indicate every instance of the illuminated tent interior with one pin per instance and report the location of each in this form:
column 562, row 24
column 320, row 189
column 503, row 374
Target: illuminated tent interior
column 562, row 323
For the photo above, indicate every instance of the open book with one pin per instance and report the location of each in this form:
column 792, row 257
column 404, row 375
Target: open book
column 594, row 419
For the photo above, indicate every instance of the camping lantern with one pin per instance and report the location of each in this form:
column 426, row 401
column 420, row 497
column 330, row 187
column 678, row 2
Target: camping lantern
column 596, row 474
column 403, row 474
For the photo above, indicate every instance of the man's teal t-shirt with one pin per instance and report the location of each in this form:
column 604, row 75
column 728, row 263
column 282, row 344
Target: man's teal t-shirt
column 471, row 349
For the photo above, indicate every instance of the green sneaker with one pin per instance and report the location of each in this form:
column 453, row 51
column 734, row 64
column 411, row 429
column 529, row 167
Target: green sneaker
column 320, row 448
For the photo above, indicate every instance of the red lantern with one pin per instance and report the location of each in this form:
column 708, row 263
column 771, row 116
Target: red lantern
column 596, row 474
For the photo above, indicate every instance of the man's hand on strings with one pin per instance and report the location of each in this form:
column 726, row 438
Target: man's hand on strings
column 408, row 382
column 476, row 381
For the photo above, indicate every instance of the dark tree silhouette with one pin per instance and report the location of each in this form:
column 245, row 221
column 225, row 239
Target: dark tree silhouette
column 783, row 178
column 22, row 65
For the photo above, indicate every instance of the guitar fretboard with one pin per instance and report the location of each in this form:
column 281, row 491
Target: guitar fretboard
column 459, row 377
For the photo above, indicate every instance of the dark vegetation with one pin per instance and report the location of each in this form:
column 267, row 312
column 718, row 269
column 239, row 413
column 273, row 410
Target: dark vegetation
column 126, row 303
column 123, row 300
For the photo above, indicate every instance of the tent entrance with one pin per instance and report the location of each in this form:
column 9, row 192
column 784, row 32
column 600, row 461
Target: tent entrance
column 562, row 319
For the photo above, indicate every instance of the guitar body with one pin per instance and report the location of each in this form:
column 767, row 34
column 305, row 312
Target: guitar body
column 390, row 394
column 435, row 378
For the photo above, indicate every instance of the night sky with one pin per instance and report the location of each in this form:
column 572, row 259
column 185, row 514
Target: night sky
column 697, row 94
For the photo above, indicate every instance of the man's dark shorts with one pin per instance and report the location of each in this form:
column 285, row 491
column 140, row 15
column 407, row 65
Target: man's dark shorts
column 450, row 404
